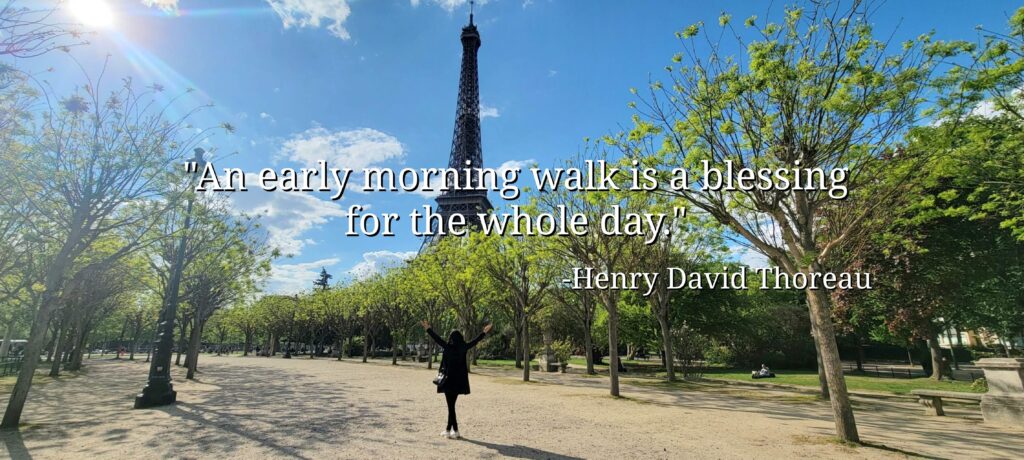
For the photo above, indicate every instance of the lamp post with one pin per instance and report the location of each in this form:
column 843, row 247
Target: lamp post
column 159, row 391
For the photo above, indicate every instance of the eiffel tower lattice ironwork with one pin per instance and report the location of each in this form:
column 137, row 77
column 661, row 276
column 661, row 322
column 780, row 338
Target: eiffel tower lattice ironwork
column 467, row 152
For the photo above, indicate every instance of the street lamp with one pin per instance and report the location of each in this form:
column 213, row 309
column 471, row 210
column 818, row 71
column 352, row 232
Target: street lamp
column 159, row 391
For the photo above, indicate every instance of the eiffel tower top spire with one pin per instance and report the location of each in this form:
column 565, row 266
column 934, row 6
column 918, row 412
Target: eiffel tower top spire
column 466, row 148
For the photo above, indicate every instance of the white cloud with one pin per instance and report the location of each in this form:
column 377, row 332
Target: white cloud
column 268, row 117
column 552, row 73
column 312, row 13
column 167, row 6
column 295, row 278
column 749, row 257
column 488, row 111
column 286, row 215
column 355, row 149
column 521, row 165
column 377, row 261
column 447, row 5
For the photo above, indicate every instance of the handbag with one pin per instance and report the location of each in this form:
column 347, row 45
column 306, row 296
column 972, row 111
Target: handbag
column 442, row 376
column 440, row 379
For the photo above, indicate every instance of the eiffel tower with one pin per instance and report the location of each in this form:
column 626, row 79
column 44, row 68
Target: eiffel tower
column 467, row 152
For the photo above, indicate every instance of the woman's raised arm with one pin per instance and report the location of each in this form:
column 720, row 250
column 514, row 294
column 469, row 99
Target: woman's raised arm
column 480, row 337
column 441, row 342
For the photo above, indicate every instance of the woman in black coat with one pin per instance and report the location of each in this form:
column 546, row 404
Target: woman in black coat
column 456, row 371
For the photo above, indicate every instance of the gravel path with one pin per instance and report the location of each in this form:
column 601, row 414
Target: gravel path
column 301, row 408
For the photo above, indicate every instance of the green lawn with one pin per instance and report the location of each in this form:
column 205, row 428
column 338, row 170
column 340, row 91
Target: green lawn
column 853, row 382
column 804, row 378
column 499, row 362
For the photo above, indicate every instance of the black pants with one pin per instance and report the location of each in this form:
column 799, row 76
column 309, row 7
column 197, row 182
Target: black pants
column 453, row 423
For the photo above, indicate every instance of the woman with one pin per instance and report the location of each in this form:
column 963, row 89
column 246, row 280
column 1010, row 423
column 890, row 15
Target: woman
column 456, row 371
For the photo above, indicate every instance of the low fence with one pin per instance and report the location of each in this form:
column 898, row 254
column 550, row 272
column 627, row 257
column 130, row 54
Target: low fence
column 10, row 366
column 906, row 372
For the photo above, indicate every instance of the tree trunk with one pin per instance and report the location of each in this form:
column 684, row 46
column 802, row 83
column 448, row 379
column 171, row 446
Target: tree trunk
column 860, row 355
column 135, row 339
column 952, row 349
column 366, row 347
column 78, row 345
column 613, row 350
column 526, row 349
column 248, row 344
column 938, row 369
column 37, row 335
column 666, row 344
column 58, row 351
column 588, row 341
column 53, row 341
column 181, row 342
column 5, row 347
column 394, row 351
column 120, row 338
column 518, row 339
column 193, row 349
column 822, row 379
column 821, row 316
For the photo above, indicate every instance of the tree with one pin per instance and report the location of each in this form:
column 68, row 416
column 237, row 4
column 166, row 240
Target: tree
column 687, row 243
column 519, row 266
column 276, row 315
column 27, row 32
column 95, row 169
column 232, row 260
column 245, row 320
column 595, row 249
column 583, row 308
column 142, row 318
column 385, row 295
column 415, row 290
column 91, row 295
column 454, row 271
column 816, row 92
column 369, row 314
column 944, row 236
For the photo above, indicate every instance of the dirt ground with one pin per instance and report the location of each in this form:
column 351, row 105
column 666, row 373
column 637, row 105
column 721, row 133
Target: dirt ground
column 300, row 408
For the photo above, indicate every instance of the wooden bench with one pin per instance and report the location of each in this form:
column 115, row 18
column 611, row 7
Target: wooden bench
column 932, row 399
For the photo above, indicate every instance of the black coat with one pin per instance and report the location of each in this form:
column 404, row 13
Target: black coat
column 453, row 364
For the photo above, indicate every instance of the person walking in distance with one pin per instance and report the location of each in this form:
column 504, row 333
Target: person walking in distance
column 453, row 374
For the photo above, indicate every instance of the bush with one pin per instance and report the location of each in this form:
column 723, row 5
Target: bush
column 980, row 384
column 562, row 350
column 719, row 354
column 689, row 347
column 496, row 346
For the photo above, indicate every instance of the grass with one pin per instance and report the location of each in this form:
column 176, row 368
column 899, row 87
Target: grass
column 807, row 378
column 500, row 362
column 804, row 378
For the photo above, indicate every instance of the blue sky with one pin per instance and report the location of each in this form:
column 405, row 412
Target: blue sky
column 374, row 82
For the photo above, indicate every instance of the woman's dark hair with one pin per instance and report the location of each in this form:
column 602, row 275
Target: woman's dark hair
column 455, row 338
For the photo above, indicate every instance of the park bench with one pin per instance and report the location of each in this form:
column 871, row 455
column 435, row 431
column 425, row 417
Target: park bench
column 932, row 399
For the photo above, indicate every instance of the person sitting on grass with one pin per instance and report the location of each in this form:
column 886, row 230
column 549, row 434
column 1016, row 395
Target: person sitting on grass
column 764, row 373
column 455, row 371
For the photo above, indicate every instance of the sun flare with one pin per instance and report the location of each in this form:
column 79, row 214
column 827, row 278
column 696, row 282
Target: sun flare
column 92, row 13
